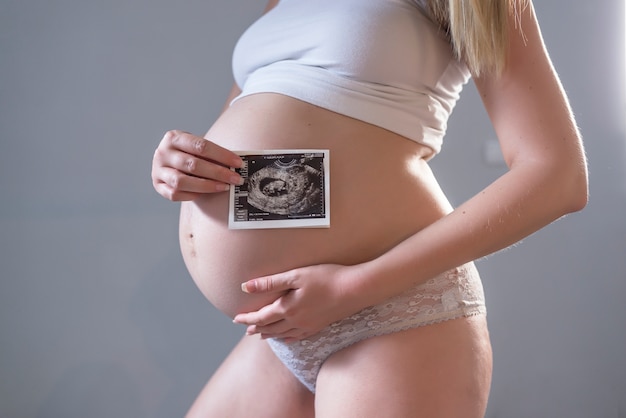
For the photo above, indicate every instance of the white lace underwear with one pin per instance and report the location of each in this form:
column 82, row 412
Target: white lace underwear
column 453, row 294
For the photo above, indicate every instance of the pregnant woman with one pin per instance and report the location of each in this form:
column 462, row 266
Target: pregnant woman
column 382, row 313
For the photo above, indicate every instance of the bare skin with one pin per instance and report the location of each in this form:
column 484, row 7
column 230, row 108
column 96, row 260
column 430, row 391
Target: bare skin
column 443, row 370
column 437, row 371
column 252, row 382
column 364, row 162
column 355, row 236
column 322, row 276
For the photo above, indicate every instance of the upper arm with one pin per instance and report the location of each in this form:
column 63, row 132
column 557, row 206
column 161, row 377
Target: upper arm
column 526, row 103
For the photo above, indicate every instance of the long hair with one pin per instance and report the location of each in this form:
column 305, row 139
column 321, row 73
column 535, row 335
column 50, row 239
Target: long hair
column 478, row 30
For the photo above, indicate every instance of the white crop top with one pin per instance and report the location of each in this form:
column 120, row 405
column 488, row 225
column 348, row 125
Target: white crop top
column 380, row 61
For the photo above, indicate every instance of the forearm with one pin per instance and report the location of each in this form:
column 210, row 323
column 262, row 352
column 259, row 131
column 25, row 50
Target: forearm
column 519, row 203
column 547, row 177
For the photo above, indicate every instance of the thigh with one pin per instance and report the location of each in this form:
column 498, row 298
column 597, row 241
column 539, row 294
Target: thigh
column 441, row 370
column 252, row 382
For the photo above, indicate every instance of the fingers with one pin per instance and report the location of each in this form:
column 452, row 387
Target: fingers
column 201, row 147
column 269, row 314
column 268, row 284
column 185, row 166
column 281, row 330
column 273, row 321
column 276, row 330
column 175, row 186
column 186, row 172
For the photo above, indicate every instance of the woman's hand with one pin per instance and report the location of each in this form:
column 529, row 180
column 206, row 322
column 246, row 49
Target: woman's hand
column 186, row 166
column 314, row 297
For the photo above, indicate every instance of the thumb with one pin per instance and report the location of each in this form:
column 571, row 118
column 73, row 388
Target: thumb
column 266, row 284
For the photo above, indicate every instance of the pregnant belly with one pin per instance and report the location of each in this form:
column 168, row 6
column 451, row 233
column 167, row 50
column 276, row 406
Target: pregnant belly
column 381, row 192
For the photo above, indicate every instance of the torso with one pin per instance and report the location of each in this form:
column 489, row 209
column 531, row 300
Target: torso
column 382, row 191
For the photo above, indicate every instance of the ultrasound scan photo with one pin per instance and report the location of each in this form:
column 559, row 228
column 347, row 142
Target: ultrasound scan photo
column 282, row 189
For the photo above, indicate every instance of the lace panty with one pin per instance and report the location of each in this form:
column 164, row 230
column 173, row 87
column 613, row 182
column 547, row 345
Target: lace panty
column 453, row 294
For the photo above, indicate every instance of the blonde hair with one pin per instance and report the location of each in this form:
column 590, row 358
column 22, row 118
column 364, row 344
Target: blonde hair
column 478, row 30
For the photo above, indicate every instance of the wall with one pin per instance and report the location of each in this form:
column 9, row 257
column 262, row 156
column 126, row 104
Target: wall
column 98, row 316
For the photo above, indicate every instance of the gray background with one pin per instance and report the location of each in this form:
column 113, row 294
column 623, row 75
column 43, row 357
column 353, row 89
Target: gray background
column 98, row 317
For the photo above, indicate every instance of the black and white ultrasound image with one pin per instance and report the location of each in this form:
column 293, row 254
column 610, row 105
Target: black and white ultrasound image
column 281, row 187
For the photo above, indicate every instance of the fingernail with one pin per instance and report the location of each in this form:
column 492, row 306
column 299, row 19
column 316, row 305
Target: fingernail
column 249, row 286
column 237, row 180
column 223, row 187
column 237, row 163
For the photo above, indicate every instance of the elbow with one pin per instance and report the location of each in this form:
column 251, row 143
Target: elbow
column 562, row 186
column 581, row 197
column 581, row 194
column 575, row 189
